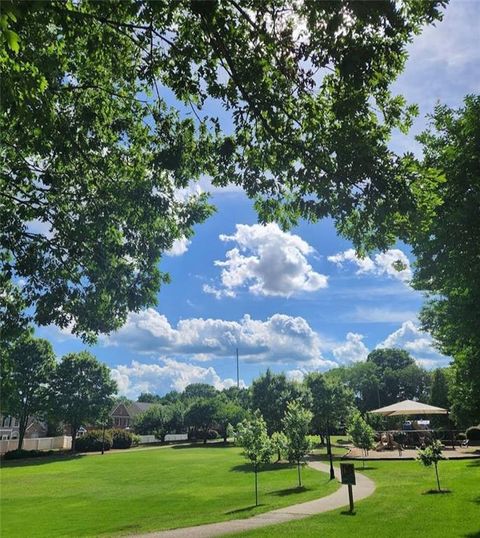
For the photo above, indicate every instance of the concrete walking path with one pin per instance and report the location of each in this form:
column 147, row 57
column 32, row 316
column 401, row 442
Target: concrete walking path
column 364, row 488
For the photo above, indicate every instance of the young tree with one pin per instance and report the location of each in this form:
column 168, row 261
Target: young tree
column 95, row 155
column 431, row 456
column 253, row 437
column 157, row 421
column 296, row 424
column 30, row 364
column 361, row 433
column 279, row 444
column 331, row 404
column 81, row 391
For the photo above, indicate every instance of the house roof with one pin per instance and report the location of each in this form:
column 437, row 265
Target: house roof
column 132, row 410
column 409, row 407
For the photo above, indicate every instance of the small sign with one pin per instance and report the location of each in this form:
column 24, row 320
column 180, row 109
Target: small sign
column 348, row 473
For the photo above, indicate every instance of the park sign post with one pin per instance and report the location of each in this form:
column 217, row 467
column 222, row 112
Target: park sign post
column 347, row 471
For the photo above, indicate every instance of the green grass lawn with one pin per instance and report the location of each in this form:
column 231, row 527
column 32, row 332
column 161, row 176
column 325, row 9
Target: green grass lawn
column 401, row 506
column 142, row 490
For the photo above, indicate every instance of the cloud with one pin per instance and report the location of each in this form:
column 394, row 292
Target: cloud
column 168, row 375
column 179, row 247
column 378, row 315
column 353, row 350
column 268, row 262
column 280, row 338
column 418, row 343
column 392, row 263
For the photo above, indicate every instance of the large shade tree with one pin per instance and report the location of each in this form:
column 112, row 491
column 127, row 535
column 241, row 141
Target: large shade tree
column 271, row 394
column 81, row 391
column 448, row 250
column 105, row 120
column 27, row 368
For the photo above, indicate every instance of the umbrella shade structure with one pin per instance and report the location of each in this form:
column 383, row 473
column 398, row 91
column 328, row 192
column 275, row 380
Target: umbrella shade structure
column 409, row 407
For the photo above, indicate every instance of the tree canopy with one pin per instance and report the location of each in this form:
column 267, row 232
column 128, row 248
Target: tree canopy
column 81, row 391
column 448, row 250
column 30, row 364
column 106, row 121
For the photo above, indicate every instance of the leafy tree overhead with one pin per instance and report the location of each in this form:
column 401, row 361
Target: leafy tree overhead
column 30, row 364
column 447, row 249
column 81, row 391
column 296, row 425
column 96, row 161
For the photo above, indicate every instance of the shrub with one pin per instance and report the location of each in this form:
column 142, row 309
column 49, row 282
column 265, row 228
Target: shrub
column 314, row 440
column 212, row 434
column 473, row 433
column 121, row 438
column 135, row 439
column 92, row 441
column 21, row 454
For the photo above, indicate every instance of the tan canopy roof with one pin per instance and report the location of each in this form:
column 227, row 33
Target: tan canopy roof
column 409, row 407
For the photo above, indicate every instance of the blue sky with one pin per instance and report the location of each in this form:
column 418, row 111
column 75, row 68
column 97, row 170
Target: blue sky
column 293, row 302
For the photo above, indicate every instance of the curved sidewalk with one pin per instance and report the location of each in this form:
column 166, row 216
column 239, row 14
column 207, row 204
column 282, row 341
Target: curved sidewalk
column 364, row 488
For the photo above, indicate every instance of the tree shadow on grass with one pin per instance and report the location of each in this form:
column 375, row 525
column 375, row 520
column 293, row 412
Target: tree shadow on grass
column 359, row 468
column 41, row 460
column 348, row 513
column 248, row 467
column 200, row 444
column 437, row 492
column 243, row 510
column 290, row 491
column 474, row 463
column 473, row 535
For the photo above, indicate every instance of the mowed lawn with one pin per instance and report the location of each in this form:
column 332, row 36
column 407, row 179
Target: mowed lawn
column 143, row 490
column 401, row 506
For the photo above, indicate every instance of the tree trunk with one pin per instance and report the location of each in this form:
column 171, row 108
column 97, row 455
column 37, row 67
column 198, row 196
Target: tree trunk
column 256, row 483
column 299, row 474
column 74, row 437
column 329, row 452
column 438, row 481
column 22, row 428
column 205, row 434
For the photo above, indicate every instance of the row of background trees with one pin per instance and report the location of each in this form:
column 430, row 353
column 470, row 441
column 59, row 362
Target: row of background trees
column 78, row 390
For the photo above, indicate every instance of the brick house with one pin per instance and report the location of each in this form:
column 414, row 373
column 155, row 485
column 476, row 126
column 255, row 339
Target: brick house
column 123, row 414
column 9, row 428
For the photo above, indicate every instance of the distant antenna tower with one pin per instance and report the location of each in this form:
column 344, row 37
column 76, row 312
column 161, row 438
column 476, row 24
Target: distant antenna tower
column 238, row 375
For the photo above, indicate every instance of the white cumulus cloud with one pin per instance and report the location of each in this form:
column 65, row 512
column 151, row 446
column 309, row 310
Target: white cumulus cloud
column 418, row 343
column 352, row 350
column 280, row 338
column 164, row 376
column 179, row 247
column 393, row 263
column 266, row 261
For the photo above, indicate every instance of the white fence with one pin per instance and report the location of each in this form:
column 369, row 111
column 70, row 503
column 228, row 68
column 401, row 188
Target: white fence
column 170, row 437
column 39, row 443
